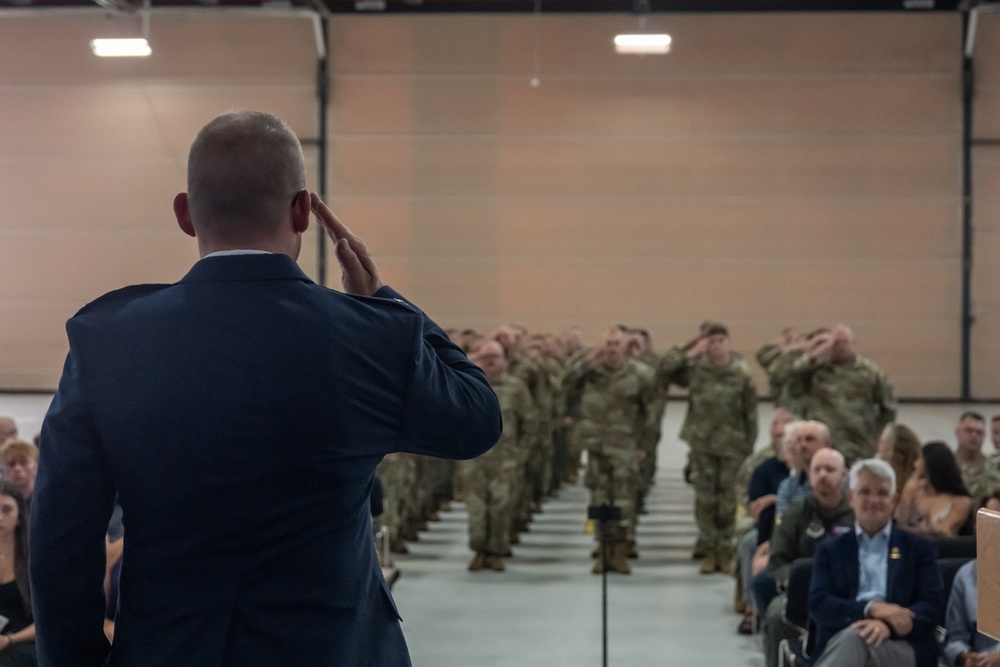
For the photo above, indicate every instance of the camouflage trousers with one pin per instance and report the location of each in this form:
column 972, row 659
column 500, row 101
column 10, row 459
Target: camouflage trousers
column 397, row 472
column 539, row 469
column 613, row 478
column 715, row 498
column 488, row 489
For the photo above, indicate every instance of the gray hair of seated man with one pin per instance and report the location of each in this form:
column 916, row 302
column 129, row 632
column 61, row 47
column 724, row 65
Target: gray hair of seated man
column 876, row 467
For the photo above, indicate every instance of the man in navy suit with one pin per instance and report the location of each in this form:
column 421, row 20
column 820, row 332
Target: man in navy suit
column 239, row 415
column 876, row 595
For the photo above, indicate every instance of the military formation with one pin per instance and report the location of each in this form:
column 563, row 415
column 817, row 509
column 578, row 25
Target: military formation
column 599, row 409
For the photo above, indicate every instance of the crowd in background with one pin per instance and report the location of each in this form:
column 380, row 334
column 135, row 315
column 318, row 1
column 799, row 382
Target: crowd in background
column 568, row 407
column 598, row 410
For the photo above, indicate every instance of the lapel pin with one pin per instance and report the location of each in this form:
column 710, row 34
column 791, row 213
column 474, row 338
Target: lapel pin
column 894, row 554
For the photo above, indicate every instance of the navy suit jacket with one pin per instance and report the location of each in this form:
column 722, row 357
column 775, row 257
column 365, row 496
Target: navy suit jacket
column 239, row 415
column 913, row 580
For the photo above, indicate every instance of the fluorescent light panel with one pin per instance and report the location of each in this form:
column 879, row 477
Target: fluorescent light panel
column 642, row 43
column 120, row 48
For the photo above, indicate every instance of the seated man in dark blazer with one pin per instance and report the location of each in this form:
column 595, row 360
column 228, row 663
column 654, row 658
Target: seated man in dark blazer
column 876, row 595
column 239, row 415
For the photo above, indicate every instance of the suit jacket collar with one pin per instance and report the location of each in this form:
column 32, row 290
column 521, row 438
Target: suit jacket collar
column 234, row 268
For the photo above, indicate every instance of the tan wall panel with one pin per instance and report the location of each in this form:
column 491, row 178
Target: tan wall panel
column 33, row 339
column 793, row 167
column 883, row 105
column 986, row 269
column 721, row 43
column 987, row 51
column 84, row 265
column 204, row 50
column 986, row 112
column 667, row 228
column 125, row 121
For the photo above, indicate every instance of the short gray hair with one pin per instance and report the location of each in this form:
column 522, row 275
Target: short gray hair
column 876, row 467
column 244, row 170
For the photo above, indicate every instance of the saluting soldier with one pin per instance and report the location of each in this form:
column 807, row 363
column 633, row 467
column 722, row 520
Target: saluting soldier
column 845, row 391
column 489, row 481
column 616, row 421
column 720, row 428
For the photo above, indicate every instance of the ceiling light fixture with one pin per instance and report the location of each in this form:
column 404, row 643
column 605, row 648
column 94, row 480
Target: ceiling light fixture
column 131, row 47
column 120, row 48
column 642, row 42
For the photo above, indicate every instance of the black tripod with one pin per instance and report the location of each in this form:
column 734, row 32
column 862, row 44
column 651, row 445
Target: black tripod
column 607, row 517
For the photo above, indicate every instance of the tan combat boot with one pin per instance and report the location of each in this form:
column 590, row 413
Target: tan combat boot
column 710, row 563
column 619, row 558
column 724, row 560
column 478, row 563
column 496, row 563
column 599, row 565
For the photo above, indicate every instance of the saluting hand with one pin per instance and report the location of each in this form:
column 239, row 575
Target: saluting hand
column 358, row 273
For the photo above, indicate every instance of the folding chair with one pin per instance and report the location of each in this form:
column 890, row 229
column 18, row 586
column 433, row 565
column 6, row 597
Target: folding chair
column 795, row 614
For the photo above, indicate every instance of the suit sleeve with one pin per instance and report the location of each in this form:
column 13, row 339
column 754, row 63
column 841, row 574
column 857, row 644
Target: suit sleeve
column 827, row 604
column 449, row 408
column 70, row 510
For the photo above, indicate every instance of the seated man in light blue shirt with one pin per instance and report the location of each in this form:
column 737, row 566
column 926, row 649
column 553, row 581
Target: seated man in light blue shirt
column 810, row 437
column 876, row 595
column 963, row 645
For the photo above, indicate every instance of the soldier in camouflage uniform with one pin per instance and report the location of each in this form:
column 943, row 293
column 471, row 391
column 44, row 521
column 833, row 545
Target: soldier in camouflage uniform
column 643, row 351
column 489, row 480
column 721, row 429
column 845, row 391
column 979, row 472
column 616, row 422
column 569, row 406
column 398, row 472
column 527, row 370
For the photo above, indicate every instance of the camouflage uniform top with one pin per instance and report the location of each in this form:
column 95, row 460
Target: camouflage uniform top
column 722, row 403
column 536, row 379
column 778, row 365
column 616, row 409
column 855, row 402
column 981, row 479
column 520, row 424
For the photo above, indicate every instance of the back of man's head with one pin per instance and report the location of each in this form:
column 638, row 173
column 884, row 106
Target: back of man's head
column 244, row 170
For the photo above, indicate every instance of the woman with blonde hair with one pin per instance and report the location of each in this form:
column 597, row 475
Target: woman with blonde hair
column 899, row 446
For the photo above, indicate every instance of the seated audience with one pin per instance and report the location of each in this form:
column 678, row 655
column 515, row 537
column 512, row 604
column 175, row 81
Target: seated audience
column 805, row 525
column 979, row 472
column 934, row 500
column 17, row 636
column 810, row 436
column 764, row 470
column 899, row 446
column 20, row 466
column 8, row 429
column 876, row 595
column 963, row 645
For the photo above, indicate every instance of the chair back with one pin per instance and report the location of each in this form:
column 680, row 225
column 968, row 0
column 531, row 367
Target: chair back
column 956, row 547
column 949, row 568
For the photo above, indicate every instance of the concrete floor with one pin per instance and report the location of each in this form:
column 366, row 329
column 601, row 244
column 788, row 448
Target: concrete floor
column 545, row 610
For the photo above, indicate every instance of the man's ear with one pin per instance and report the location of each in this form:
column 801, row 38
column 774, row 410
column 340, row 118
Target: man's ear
column 301, row 210
column 183, row 214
